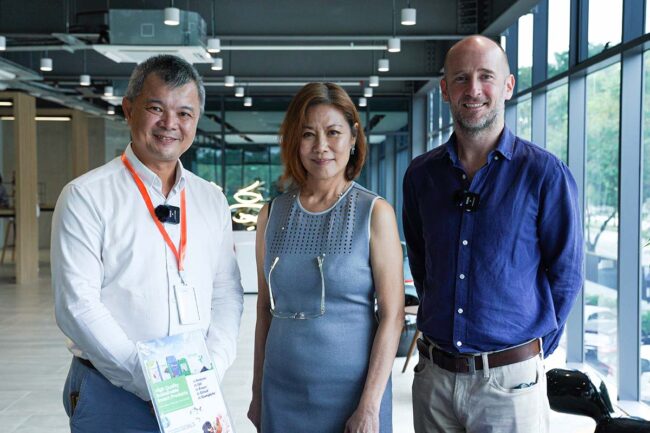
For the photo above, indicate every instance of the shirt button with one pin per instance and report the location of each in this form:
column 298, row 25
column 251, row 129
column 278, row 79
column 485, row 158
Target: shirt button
column 496, row 158
column 461, row 276
column 464, row 176
column 464, row 241
column 460, row 311
column 458, row 343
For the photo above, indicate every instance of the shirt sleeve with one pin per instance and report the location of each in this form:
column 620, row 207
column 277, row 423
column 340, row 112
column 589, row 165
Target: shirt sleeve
column 561, row 245
column 412, row 225
column 227, row 299
column 77, row 274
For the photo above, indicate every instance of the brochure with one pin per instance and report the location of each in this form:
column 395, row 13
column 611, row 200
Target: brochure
column 183, row 385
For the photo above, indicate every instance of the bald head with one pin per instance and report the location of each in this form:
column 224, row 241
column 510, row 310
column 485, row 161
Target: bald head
column 476, row 45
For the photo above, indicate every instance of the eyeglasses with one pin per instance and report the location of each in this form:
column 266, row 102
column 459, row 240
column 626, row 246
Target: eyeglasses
column 284, row 310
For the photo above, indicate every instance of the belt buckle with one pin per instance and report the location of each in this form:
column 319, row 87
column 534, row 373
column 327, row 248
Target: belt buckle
column 469, row 361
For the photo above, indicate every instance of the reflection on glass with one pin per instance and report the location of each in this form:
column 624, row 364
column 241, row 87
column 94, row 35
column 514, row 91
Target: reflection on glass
column 524, row 118
column 208, row 164
column 525, row 52
column 605, row 24
column 601, row 221
column 557, row 121
column 559, row 25
column 645, row 236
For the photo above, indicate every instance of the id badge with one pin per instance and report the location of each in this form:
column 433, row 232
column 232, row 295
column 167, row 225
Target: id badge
column 187, row 304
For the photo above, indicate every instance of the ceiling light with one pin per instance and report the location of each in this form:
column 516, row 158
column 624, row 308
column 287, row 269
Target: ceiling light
column 217, row 64
column 108, row 91
column 229, row 81
column 6, row 103
column 110, row 111
column 367, row 92
column 172, row 16
column 248, row 101
column 383, row 65
column 363, row 102
column 84, row 80
column 408, row 16
column 214, row 45
column 46, row 64
column 394, row 45
column 374, row 81
column 3, row 43
column 239, row 92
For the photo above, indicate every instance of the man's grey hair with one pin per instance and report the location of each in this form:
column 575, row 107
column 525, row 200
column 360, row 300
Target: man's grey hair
column 174, row 71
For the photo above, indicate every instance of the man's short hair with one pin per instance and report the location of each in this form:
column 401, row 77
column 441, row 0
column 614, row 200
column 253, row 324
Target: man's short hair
column 174, row 71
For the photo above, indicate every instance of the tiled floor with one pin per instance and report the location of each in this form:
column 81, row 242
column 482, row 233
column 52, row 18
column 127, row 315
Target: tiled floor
column 35, row 361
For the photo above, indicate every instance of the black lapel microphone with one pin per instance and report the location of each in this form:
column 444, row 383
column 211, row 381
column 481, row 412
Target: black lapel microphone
column 467, row 200
column 168, row 214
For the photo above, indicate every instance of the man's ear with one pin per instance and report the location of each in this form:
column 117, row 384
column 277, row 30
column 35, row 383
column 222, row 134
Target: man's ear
column 510, row 86
column 443, row 89
column 127, row 107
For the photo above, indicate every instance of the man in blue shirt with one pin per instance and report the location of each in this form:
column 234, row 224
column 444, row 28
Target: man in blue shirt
column 494, row 237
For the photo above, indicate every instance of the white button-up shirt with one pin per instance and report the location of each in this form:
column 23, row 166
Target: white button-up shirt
column 113, row 274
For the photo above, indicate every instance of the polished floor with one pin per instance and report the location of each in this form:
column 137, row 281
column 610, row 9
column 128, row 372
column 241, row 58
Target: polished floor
column 34, row 363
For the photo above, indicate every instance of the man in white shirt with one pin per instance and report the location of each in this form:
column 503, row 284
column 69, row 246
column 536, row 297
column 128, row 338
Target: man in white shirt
column 142, row 249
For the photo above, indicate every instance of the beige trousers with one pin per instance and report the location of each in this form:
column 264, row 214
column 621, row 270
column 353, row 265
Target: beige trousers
column 508, row 399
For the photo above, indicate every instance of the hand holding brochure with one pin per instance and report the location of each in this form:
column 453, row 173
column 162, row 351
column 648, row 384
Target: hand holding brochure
column 183, row 385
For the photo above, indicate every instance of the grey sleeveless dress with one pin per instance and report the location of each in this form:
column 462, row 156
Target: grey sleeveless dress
column 317, row 351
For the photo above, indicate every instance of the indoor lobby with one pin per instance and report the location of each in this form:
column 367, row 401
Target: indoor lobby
column 582, row 92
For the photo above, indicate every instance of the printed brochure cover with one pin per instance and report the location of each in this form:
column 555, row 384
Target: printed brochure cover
column 183, row 385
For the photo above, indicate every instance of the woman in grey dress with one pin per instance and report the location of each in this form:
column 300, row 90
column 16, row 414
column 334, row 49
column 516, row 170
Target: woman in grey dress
column 326, row 250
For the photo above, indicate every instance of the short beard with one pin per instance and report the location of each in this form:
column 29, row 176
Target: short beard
column 475, row 129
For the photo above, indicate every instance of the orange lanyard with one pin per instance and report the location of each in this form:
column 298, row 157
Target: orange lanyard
column 180, row 252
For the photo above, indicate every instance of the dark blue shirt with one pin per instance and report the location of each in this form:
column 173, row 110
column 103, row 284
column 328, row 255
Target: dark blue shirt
column 507, row 272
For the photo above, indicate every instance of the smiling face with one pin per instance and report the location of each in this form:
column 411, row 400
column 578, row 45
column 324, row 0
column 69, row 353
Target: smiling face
column 476, row 85
column 326, row 142
column 163, row 121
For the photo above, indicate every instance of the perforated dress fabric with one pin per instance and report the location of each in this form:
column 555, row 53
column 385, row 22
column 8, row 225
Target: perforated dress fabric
column 315, row 369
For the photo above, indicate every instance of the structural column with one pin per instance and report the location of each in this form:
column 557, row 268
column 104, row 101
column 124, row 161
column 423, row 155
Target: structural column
column 26, row 188
column 79, row 143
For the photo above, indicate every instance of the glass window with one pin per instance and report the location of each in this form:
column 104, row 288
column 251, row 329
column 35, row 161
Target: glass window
column 524, row 118
column 557, row 121
column 605, row 24
column 559, row 26
column 645, row 235
column 525, row 52
column 601, row 221
column 208, row 164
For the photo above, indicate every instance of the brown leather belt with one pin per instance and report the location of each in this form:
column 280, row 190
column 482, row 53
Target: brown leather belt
column 459, row 363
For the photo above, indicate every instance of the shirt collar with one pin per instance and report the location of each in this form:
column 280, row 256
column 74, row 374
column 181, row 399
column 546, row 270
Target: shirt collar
column 505, row 146
column 151, row 179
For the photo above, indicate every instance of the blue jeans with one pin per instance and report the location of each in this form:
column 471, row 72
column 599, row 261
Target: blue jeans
column 102, row 406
